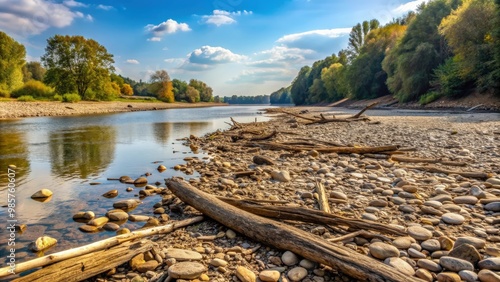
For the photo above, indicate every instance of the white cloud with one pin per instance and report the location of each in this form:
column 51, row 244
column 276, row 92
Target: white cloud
column 29, row 17
column 407, row 7
column 132, row 61
column 157, row 39
column 208, row 55
column 89, row 18
column 221, row 17
column 281, row 56
column 323, row 41
column 72, row 3
column 167, row 27
column 104, row 7
column 175, row 61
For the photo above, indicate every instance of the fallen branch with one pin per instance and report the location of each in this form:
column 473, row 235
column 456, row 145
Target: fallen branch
column 322, row 198
column 264, row 137
column 359, row 233
column 310, row 216
column 85, row 266
column 406, row 159
column 100, row 245
column 469, row 174
column 340, row 150
column 363, row 110
column 285, row 237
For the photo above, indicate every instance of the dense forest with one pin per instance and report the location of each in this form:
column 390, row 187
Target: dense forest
column 75, row 68
column 446, row 48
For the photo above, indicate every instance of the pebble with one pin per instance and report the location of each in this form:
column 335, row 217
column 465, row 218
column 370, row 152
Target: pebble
column 429, row 265
column 245, row 275
column 307, row 264
column 476, row 242
column 150, row 265
column 400, row 265
column 490, row 263
column 495, row 207
column 382, row 250
column 117, row 215
column 369, row 216
column 289, row 258
column 448, row 277
column 297, row 273
column 403, row 242
column 466, row 252
column 141, row 180
column 453, row 218
column 269, row 275
column 218, row 262
column 230, row 234
column 378, row 203
column 419, row 233
column 43, row 193
column 43, row 243
column 455, row 264
column 431, row 245
column 468, row 276
column 486, row 275
column 186, row 270
column 424, row 274
column 282, row 176
column 182, row 255
column 469, row 200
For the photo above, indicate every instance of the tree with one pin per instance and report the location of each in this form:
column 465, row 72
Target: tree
column 300, row 87
column 159, row 76
column 192, row 94
column 161, row 86
column 127, row 89
column 204, row 90
column 180, row 89
column 496, row 38
column 33, row 70
column 469, row 32
column 166, row 93
column 410, row 64
column 12, row 56
column 76, row 64
column 335, row 82
column 357, row 36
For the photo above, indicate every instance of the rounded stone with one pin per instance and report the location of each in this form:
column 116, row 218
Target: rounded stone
column 468, row 200
column 424, row 274
column 218, row 262
column 490, row 263
column 117, row 215
column 403, row 242
column 452, row 218
column 297, row 273
column 382, row 250
column 307, row 264
column 400, row 265
column 150, row 265
column 269, row 275
column 431, row 245
column 468, row 276
column 110, row 226
column 486, row 275
column 448, row 277
column 186, row 270
column 419, row 233
column 455, row 264
column 182, row 255
column 476, row 242
column 141, row 180
column 245, row 275
column 429, row 265
column 43, row 193
column 289, row 258
column 43, row 243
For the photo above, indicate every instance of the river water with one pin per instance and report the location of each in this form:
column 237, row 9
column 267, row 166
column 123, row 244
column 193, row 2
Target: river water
column 66, row 154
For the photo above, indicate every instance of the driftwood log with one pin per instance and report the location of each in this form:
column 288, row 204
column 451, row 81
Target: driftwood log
column 311, row 216
column 322, row 198
column 405, row 159
column 85, row 266
column 468, row 174
column 97, row 246
column 285, row 237
column 339, row 150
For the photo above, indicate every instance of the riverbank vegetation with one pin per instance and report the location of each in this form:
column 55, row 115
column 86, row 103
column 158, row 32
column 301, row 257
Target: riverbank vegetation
column 447, row 48
column 75, row 68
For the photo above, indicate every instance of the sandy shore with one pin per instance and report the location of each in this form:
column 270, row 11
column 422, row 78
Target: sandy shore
column 14, row 109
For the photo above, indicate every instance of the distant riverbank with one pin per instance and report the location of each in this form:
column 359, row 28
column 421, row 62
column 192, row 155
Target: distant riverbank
column 15, row 109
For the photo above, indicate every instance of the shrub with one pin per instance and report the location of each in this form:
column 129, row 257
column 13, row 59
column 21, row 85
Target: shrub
column 71, row 98
column 4, row 90
column 57, row 97
column 35, row 89
column 26, row 98
column 429, row 97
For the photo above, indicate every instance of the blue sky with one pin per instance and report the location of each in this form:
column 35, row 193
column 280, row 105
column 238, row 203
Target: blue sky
column 242, row 47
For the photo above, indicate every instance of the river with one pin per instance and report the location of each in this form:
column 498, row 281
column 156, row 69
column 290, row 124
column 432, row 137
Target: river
column 66, row 154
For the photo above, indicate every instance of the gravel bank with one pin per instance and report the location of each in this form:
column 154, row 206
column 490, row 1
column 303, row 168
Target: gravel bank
column 14, row 109
column 451, row 221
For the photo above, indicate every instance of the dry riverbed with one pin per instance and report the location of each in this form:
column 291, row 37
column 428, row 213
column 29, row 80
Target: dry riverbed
column 452, row 221
column 15, row 109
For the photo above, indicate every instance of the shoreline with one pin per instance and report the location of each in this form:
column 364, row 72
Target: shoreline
column 15, row 109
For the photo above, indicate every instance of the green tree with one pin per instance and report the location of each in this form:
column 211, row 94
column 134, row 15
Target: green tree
column 76, row 64
column 496, row 38
column 33, row 70
column 180, row 89
column 159, row 85
column 300, row 86
column 166, row 93
column 357, row 36
column 411, row 63
column 127, row 90
column 469, row 32
column 335, row 82
column 204, row 90
column 12, row 56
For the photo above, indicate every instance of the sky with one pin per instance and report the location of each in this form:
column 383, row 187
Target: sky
column 238, row 47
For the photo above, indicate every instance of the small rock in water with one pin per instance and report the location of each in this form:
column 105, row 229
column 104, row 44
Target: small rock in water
column 119, row 215
column 289, row 258
column 43, row 193
column 43, row 243
column 297, row 273
column 141, row 180
column 110, row 226
column 126, row 204
column 161, row 168
column 186, row 270
column 88, row 228
column 111, row 194
column 98, row 221
column 245, row 275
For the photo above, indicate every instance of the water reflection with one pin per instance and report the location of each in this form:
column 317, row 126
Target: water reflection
column 162, row 132
column 14, row 150
column 82, row 153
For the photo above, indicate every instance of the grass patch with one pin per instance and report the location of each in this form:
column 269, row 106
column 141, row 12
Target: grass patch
column 26, row 98
column 429, row 98
column 71, row 98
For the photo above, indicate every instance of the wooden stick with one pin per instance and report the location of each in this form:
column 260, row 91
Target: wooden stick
column 99, row 245
column 285, row 237
column 322, row 198
column 311, row 216
column 297, row 115
column 362, row 233
column 421, row 160
column 85, row 266
column 264, row 137
column 340, row 150
column 469, row 174
column 363, row 110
